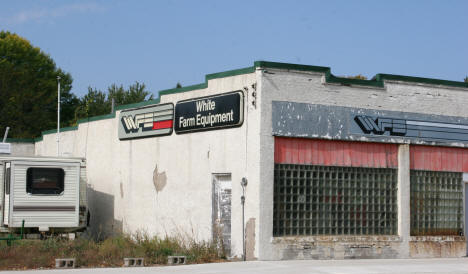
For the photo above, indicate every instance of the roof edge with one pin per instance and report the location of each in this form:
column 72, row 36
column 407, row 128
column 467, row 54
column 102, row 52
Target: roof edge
column 376, row 81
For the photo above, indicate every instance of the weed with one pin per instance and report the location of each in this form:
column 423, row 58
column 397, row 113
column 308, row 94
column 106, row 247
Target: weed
column 30, row 254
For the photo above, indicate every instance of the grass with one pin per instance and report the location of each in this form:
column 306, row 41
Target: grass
column 33, row 254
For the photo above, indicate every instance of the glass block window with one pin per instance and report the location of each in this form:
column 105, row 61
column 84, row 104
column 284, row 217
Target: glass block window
column 436, row 203
column 330, row 200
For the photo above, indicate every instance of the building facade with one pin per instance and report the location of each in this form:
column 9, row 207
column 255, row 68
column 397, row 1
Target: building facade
column 335, row 168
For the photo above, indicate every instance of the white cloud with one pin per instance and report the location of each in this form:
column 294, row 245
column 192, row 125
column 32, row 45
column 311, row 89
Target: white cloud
column 48, row 13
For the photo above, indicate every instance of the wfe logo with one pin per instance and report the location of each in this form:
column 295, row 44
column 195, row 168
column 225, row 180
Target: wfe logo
column 155, row 120
column 379, row 126
column 133, row 124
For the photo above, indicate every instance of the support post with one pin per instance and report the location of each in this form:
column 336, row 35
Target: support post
column 58, row 115
column 404, row 217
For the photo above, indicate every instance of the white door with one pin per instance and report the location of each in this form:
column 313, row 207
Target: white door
column 221, row 217
column 6, row 184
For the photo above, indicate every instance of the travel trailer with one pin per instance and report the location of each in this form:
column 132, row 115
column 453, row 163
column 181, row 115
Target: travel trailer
column 48, row 194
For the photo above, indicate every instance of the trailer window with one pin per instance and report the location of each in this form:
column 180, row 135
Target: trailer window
column 45, row 181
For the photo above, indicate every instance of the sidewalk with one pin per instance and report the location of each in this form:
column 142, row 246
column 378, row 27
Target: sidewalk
column 399, row 266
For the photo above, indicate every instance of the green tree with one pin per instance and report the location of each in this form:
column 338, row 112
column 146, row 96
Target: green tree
column 359, row 76
column 134, row 94
column 466, row 79
column 96, row 102
column 92, row 104
column 28, row 89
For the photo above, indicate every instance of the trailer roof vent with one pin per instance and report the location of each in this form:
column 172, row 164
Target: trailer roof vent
column 5, row 148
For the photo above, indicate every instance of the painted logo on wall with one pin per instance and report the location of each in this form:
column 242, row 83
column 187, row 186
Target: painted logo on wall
column 412, row 128
column 379, row 126
column 209, row 113
column 305, row 120
column 149, row 121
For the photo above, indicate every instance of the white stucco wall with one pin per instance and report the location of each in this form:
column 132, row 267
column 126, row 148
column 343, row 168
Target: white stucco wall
column 22, row 149
column 120, row 173
column 310, row 87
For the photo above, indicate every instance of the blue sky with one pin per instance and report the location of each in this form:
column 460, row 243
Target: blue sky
column 162, row 42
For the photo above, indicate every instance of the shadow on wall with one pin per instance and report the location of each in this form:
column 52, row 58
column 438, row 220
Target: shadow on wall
column 102, row 222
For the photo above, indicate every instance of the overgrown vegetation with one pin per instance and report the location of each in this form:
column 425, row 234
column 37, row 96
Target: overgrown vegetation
column 33, row 254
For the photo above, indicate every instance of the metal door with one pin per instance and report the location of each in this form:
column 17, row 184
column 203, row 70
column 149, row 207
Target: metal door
column 221, row 216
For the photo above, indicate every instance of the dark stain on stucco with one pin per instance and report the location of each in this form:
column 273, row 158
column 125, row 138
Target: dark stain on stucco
column 159, row 179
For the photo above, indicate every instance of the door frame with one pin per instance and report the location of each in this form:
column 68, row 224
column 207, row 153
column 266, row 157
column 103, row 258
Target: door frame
column 214, row 181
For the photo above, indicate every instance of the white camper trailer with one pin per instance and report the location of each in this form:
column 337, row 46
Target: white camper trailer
column 49, row 194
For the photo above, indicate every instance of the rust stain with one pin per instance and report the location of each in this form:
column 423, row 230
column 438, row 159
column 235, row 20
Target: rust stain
column 437, row 249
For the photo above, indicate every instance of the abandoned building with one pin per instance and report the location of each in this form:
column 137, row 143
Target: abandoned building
column 332, row 167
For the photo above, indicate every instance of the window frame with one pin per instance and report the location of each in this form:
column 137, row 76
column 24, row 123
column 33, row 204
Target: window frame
column 60, row 183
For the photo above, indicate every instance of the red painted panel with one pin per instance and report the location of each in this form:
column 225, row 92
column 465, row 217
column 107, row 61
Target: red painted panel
column 465, row 160
column 346, row 154
column 439, row 158
column 338, row 153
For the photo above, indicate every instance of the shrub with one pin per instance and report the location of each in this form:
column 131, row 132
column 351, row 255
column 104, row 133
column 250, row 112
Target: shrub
column 30, row 254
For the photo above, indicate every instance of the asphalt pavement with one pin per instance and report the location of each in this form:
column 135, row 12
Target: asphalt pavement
column 399, row 266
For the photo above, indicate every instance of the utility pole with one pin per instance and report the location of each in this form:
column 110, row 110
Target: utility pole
column 58, row 115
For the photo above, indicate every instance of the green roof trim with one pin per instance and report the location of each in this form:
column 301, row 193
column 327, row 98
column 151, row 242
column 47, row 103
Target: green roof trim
column 377, row 81
column 430, row 81
column 136, row 105
column 20, row 140
column 208, row 77
column 95, row 118
column 51, row 131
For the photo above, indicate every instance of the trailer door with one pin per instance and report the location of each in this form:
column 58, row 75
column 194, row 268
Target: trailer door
column 2, row 193
column 6, row 196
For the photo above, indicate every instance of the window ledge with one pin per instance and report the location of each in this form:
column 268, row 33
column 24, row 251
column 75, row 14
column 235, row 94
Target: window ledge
column 437, row 238
column 336, row 238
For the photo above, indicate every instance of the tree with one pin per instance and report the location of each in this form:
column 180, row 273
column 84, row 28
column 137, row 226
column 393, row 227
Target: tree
column 28, row 89
column 178, row 85
column 359, row 77
column 466, row 79
column 134, row 94
column 96, row 102
column 92, row 104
